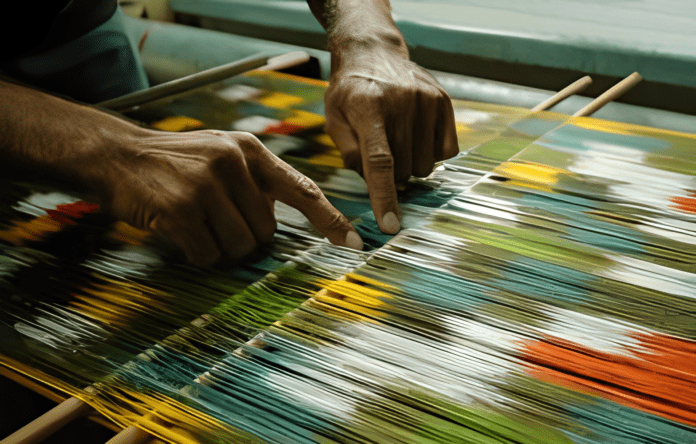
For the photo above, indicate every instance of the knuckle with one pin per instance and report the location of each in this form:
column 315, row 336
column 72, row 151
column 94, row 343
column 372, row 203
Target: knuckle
column 158, row 223
column 431, row 93
column 216, row 133
column 444, row 97
column 423, row 75
column 336, row 222
column 246, row 140
column 382, row 192
column 217, row 140
column 380, row 161
column 367, row 96
column 308, row 189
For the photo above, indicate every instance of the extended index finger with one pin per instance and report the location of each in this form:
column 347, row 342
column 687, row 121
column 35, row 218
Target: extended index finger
column 378, row 166
column 291, row 187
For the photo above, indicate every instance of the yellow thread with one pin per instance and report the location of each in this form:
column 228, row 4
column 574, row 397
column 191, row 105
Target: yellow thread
column 533, row 186
column 99, row 302
column 325, row 139
column 177, row 124
column 368, row 312
column 370, row 281
column 626, row 129
column 31, row 230
column 530, row 172
column 129, row 234
column 305, row 119
column 280, row 100
column 461, row 128
column 355, row 297
column 330, row 158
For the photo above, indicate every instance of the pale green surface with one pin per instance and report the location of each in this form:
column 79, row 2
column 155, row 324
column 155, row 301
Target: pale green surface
column 655, row 37
column 172, row 51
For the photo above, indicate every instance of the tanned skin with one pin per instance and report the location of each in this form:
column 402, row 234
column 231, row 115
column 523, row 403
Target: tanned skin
column 389, row 118
column 212, row 192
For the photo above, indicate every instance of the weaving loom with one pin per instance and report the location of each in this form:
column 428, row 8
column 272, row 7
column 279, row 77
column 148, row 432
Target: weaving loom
column 541, row 291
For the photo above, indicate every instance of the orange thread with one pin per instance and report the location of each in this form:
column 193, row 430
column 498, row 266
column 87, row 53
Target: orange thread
column 685, row 204
column 659, row 380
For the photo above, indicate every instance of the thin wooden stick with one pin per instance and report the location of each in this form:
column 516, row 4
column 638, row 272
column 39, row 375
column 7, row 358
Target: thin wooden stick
column 203, row 78
column 48, row 423
column 574, row 88
column 285, row 61
column 611, row 94
column 130, row 435
column 184, row 84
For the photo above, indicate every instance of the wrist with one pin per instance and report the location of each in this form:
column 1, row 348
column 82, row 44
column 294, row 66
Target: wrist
column 106, row 159
column 47, row 132
column 361, row 49
column 359, row 27
column 385, row 40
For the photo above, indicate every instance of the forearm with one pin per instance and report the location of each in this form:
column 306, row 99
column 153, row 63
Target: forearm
column 357, row 22
column 43, row 131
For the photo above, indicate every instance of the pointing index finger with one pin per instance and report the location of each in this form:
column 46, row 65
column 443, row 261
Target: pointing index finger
column 378, row 168
column 291, row 187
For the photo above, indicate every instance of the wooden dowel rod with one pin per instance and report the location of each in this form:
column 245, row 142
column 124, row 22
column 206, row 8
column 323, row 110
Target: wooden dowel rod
column 185, row 83
column 130, row 435
column 285, row 61
column 574, row 88
column 612, row 93
column 203, row 78
column 48, row 423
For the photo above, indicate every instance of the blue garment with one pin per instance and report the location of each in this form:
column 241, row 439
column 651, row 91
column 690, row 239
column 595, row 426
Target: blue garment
column 100, row 65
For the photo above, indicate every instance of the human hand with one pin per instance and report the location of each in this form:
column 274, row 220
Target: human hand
column 212, row 193
column 389, row 118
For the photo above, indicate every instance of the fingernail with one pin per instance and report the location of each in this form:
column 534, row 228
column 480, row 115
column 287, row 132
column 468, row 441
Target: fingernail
column 390, row 223
column 353, row 241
